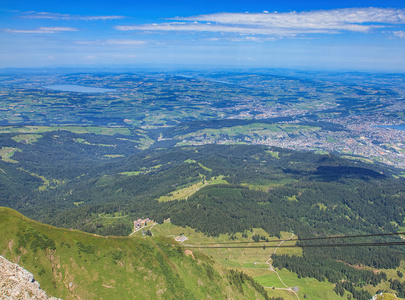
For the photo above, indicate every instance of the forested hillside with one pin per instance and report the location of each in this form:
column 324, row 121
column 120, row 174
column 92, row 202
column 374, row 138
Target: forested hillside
column 215, row 189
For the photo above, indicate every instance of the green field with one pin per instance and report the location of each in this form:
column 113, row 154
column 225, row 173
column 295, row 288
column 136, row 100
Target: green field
column 273, row 154
column 253, row 261
column 265, row 185
column 145, row 142
column 7, row 152
column 186, row 192
column 27, row 138
column 47, row 183
column 83, row 141
column 142, row 171
column 386, row 296
column 74, row 265
column 114, row 155
column 312, row 288
column 132, row 173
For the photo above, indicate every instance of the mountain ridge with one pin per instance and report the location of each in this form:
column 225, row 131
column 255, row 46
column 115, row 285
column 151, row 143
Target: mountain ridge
column 74, row 265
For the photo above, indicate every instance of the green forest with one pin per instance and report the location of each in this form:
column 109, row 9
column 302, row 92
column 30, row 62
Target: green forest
column 62, row 181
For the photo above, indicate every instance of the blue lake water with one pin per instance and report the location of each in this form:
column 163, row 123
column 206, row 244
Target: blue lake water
column 77, row 88
column 397, row 127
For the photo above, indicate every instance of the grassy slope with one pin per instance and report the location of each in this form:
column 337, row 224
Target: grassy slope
column 184, row 193
column 86, row 266
column 253, row 262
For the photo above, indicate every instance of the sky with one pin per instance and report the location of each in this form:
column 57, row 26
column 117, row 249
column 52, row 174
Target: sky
column 307, row 35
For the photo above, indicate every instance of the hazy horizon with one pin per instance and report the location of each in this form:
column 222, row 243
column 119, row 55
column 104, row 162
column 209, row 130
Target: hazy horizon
column 350, row 36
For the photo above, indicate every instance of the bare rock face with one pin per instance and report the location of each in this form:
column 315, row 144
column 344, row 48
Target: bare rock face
column 18, row 283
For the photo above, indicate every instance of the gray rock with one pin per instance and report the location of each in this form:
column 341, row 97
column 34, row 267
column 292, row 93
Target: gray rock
column 18, row 283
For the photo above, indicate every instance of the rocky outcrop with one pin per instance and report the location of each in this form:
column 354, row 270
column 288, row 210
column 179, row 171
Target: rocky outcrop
column 18, row 283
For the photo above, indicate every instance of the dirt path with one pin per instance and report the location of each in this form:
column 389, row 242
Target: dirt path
column 151, row 228
column 271, row 268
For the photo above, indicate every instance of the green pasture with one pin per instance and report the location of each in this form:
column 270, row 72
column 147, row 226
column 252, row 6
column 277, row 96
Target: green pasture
column 240, row 258
column 83, row 141
column 7, row 152
column 27, row 138
column 145, row 142
column 273, row 154
column 363, row 159
column 141, row 171
column 312, row 288
column 70, row 264
column 132, row 173
column 204, row 167
column 47, row 183
column 385, row 286
column 253, row 261
column 292, row 198
column 186, row 192
column 265, row 184
column 386, row 296
column 114, row 155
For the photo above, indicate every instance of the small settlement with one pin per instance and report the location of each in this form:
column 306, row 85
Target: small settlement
column 140, row 223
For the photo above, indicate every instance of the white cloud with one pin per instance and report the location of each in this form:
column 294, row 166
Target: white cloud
column 400, row 34
column 42, row 30
column 57, row 16
column 252, row 39
column 126, row 42
column 342, row 19
column 116, row 42
column 283, row 24
column 202, row 27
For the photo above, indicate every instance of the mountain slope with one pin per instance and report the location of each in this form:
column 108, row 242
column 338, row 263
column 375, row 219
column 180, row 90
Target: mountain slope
column 74, row 265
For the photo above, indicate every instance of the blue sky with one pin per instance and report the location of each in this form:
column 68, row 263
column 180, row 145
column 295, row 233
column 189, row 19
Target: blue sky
column 335, row 35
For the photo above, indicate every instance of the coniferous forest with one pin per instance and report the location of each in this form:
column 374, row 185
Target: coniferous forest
column 312, row 195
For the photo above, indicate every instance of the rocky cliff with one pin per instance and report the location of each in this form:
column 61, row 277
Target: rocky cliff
column 18, row 283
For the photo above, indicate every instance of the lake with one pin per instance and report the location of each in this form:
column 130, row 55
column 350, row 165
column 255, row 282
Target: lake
column 77, row 88
column 397, row 127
